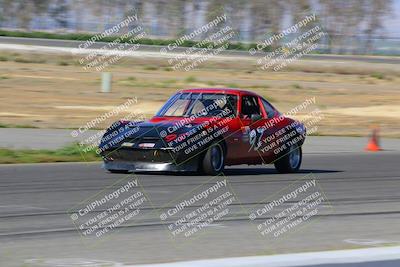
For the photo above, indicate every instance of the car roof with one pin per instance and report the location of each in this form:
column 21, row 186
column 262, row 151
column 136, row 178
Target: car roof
column 234, row 91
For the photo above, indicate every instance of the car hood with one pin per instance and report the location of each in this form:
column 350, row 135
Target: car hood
column 153, row 130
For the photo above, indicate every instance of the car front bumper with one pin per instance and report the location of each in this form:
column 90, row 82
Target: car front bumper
column 189, row 166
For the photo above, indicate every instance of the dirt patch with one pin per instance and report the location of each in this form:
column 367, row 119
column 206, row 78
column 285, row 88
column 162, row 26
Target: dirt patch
column 384, row 111
column 352, row 96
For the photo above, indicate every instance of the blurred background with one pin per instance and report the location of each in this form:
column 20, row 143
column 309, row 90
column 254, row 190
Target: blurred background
column 353, row 26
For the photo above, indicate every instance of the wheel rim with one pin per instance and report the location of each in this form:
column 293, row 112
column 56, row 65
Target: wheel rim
column 217, row 157
column 294, row 157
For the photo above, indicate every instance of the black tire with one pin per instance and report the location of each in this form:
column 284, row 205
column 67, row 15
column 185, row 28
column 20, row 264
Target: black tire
column 214, row 159
column 286, row 163
column 119, row 171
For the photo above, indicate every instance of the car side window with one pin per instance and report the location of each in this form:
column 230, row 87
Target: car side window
column 250, row 106
column 268, row 109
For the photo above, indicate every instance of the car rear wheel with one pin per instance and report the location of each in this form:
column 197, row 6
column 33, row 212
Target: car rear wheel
column 291, row 161
column 214, row 159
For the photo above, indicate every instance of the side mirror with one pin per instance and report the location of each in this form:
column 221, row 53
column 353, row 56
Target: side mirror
column 255, row 117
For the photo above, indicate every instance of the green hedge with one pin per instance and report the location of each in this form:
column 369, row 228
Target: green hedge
column 144, row 41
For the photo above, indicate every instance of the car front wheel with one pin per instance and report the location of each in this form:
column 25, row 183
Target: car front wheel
column 214, row 159
column 291, row 161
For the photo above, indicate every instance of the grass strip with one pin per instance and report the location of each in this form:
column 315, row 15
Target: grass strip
column 70, row 153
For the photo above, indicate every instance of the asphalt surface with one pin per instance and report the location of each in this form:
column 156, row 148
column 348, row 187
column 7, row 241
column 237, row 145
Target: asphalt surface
column 361, row 209
column 25, row 138
column 22, row 138
column 68, row 44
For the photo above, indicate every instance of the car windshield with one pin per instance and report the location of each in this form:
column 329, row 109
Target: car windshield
column 200, row 105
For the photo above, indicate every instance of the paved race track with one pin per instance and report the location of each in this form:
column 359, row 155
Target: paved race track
column 362, row 192
column 50, row 45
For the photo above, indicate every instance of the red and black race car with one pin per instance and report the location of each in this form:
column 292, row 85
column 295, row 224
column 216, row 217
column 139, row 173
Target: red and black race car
column 203, row 130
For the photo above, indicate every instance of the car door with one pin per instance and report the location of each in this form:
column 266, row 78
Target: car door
column 272, row 124
column 252, row 119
